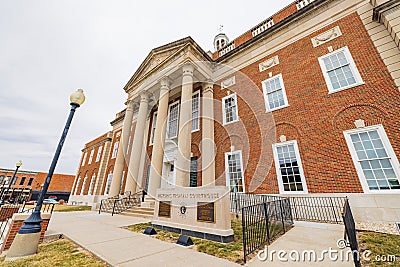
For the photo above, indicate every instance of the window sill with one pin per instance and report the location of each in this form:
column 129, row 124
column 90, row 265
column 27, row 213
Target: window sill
column 231, row 122
column 278, row 108
column 382, row 192
column 197, row 130
column 345, row 88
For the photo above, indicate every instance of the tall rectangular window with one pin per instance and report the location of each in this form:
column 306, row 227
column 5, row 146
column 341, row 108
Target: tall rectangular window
column 30, row 181
column 83, row 185
column 289, row 168
column 173, row 120
column 91, row 186
column 91, row 156
column 193, row 172
column 99, row 153
column 196, row 111
column 153, row 128
column 115, row 150
column 7, row 181
column 274, row 93
column 84, row 159
column 234, row 171
column 77, row 185
column 22, row 181
column 229, row 109
column 14, row 181
column 374, row 158
column 340, row 71
column 1, row 178
column 108, row 184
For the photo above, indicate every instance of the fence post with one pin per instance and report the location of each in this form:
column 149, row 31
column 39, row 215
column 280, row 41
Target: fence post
column 101, row 203
column 283, row 222
column 334, row 212
column 266, row 222
column 115, row 202
column 244, row 235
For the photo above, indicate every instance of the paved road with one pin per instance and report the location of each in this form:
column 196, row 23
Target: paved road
column 103, row 236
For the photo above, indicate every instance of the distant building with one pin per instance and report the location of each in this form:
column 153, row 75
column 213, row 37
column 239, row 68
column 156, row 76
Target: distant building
column 27, row 184
column 306, row 102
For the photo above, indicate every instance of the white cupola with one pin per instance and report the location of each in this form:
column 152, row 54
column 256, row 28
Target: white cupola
column 220, row 41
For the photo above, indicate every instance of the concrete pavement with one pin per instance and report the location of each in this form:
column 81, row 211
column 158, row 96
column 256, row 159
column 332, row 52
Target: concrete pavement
column 307, row 236
column 102, row 235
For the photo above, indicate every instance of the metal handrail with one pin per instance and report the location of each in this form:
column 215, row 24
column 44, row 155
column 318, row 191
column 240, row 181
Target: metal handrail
column 118, row 204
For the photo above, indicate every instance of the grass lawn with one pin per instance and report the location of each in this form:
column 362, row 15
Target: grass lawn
column 58, row 253
column 232, row 251
column 381, row 246
column 64, row 208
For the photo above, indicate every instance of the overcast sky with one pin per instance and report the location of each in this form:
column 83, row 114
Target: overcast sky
column 48, row 49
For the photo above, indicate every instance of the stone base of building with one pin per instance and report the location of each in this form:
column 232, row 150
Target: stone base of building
column 192, row 233
column 85, row 200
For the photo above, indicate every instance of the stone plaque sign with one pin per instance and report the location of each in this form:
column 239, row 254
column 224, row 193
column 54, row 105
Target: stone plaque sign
column 205, row 212
column 165, row 209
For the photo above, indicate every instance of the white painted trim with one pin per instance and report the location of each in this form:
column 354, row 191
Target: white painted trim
column 197, row 93
column 84, row 159
column 286, row 104
column 115, row 150
column 223, row 109
column 353, row 68
column 227, row 181
column 98, row 155
column 278, row 172
column 389, row 150
column 177, row 126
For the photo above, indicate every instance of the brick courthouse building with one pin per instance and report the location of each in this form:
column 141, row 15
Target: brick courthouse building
column 306, row 102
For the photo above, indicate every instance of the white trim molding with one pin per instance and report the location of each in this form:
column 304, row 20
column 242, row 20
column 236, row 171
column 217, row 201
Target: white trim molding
column 327, row 36
column 228, row 82
column 224, row 110
column 227, row 173
column 300, row 166
column 266, row 94
column 269, row 63
column 350, row 64
column 380, row 164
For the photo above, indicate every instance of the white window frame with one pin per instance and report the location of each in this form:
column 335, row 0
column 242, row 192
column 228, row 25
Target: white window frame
column 115, row 150
column 227, row 178
column 223, row 109
column 83, row 185
column 77, row 185
column 91, row 156
column 91, row 186
column 99, row 153
column 199, row 110
column 286, row 104
column 177, row 125
column 389, row 150
column 352, row 65
column 84, row 159
column 278, row 171
column 153, row 128
column 108, row 184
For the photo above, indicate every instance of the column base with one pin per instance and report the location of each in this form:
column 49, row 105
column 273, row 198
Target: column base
column 23, row 245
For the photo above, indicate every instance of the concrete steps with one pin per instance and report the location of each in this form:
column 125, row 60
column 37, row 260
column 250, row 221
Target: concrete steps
column 142, row 212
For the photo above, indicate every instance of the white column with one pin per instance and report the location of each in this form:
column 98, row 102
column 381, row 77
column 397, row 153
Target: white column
column 185, row 128
column 159, row 138
column 207, row 144
column 134, row 163
column 120, row 160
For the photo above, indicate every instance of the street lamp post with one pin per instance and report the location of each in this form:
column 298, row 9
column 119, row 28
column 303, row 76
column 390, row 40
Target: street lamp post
column 18, row 164
column 27, row 239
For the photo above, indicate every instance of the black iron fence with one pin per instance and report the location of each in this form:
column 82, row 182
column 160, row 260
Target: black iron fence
column 264, row 222
column 317, row 209
column 240, row 200
column 350, row 234
column 117, row 204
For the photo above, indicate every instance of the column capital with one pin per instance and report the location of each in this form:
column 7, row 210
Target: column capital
column 187, row 69
column 130, row 105
column 145, row 96
column 165, row 82
column 208, row 86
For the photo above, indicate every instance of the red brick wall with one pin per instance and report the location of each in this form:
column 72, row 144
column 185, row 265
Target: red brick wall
column 14, row 228
column 315, row 118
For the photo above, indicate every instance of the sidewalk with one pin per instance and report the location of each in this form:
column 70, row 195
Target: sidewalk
column 101, row 234
column 307, row 236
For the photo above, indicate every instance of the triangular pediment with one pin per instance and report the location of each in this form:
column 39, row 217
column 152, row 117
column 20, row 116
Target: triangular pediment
column 160, row 55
